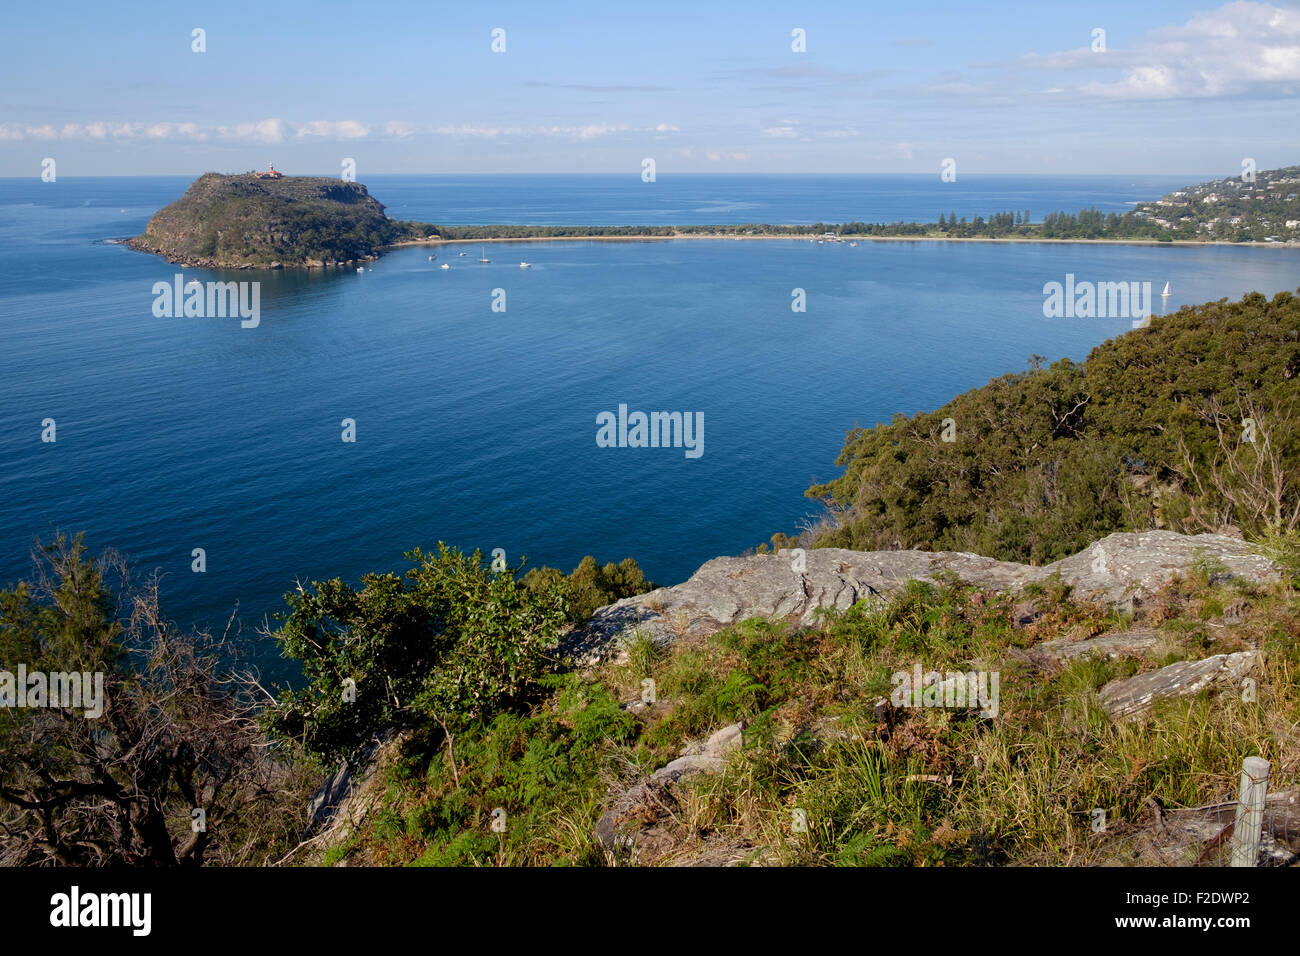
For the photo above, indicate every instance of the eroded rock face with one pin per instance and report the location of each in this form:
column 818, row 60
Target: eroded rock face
column 1119, row 568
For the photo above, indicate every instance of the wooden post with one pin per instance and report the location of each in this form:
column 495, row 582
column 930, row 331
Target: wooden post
column 1250, row 812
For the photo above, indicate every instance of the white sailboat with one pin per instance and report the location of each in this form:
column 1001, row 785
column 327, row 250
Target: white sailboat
column 482, row 256
column 1166, row 290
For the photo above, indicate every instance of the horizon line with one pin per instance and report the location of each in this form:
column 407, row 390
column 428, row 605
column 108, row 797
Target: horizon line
column 635, row 174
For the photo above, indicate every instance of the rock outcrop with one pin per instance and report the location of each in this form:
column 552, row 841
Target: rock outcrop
column 639, row 819
column 1051, row 655
column 346, row 797
column 794, row 585
column 1134, row 696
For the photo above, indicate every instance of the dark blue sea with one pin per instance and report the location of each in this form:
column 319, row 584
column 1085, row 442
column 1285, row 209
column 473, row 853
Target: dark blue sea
column 477, row 427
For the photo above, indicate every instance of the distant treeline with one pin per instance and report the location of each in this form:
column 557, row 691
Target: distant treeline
column 1087, row 224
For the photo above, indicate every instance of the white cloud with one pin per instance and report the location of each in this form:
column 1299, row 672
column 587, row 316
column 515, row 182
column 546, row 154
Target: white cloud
column 488, row 132
column 263, row 131
column 1240, row 48
column 780, row 132
column 332, row 129
column 101, row 131
column 666, row 128
column 585, row 133
column 13, row 132
column 174, row 131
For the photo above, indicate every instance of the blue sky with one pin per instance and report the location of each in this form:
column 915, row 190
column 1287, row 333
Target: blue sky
column 1181, row 87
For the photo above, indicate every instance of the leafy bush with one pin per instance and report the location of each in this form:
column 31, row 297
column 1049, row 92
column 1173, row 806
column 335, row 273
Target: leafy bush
column 590, row 586
column 449, row 642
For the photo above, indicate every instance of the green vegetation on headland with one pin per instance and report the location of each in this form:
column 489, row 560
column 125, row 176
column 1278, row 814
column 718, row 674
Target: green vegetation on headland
column 246, row 221
column 1259, row 209
column 1187, row 424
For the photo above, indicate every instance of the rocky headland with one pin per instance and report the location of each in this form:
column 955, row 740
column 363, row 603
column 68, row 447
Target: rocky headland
column 249, row 221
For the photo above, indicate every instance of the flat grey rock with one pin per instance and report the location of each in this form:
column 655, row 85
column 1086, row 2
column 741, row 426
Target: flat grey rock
column 1120, row 568
column 1134, row 696
column 1053, row 654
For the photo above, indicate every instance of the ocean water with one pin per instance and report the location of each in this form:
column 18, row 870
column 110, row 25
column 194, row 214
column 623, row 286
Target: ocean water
column 773, row 199
column 478, row 427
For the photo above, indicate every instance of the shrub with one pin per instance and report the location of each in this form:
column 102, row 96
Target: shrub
column 449, row 642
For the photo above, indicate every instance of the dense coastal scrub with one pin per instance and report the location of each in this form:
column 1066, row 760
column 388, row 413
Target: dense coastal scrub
column 1188, row 424
column 165, row 764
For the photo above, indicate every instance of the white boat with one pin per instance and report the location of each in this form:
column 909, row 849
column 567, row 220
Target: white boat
column 445, row 266
column 853, row 245
column 361, row 268
column 1166, row 290
column 482, row 256
column 431, row 258
column 461, row 254
column 525, row 265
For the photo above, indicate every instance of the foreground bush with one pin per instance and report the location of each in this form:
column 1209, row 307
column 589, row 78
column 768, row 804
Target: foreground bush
column 167, row 766
column 449, row 642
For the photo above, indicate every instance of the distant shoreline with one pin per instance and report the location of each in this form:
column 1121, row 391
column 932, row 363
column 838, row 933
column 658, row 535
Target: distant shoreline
column 722, row 236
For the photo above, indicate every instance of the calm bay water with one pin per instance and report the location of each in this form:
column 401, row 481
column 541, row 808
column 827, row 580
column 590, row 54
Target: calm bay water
column 478, row 428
